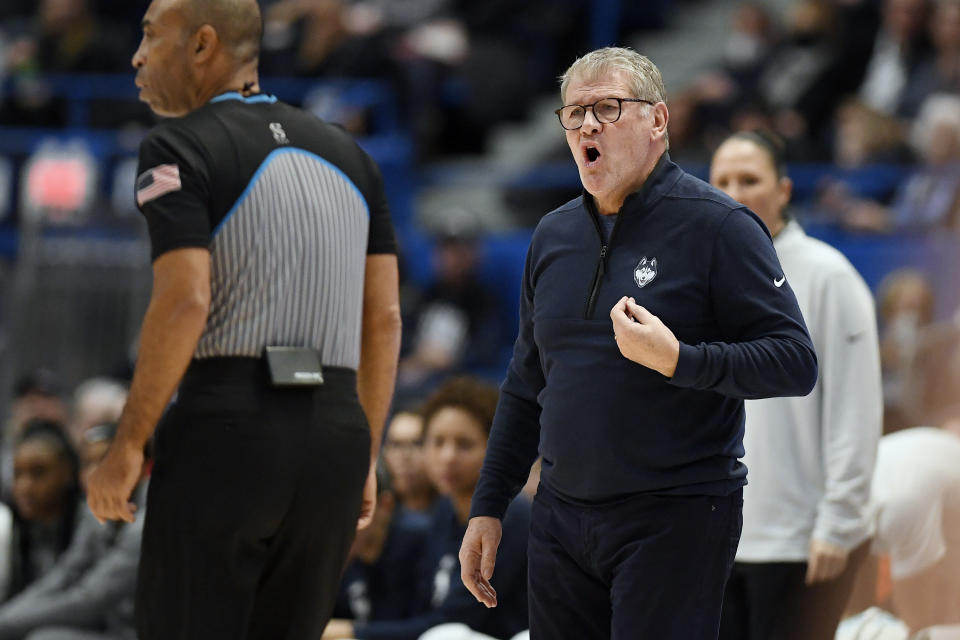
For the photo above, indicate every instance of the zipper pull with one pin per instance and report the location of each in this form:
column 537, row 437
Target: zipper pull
column 603, row 260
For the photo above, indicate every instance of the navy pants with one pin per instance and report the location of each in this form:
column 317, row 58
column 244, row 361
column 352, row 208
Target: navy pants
column 252, row 506
column 641, row 567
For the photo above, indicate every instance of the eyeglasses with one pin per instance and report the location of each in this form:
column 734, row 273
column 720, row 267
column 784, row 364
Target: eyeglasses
column 605, row 111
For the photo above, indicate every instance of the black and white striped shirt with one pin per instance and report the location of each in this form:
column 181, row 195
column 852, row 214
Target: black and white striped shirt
column 289, row 207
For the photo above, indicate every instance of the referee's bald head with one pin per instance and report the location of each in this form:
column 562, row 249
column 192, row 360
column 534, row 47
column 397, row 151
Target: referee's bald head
column 193, row 50
column 238, row 24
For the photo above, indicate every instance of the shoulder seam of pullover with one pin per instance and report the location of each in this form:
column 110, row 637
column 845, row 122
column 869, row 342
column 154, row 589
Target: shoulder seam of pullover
column 705, row 198
column 573, row 205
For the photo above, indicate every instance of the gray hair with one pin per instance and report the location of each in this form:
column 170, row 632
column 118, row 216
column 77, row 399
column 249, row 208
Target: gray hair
column 938, row 109
column 99, row 399
column 643, row 76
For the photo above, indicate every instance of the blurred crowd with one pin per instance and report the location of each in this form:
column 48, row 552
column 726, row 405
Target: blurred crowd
column 434, row 54
column 849, row 83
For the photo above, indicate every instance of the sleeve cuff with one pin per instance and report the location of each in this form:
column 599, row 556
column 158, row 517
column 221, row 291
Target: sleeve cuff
column 688, row 362
column 488, row 507
column 846, row 537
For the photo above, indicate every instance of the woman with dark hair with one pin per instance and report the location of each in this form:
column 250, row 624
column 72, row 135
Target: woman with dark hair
column 457, row 418
column 44, row 499
column 806, row 520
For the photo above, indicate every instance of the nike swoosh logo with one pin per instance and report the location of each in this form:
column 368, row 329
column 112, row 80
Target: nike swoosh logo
column 779, row 283
column 853, row 337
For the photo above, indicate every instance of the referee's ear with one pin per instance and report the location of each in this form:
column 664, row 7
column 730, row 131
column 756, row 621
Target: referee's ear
column 206, row 41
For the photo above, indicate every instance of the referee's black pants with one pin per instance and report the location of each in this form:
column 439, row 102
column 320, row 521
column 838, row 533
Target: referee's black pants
column 252, row 506
column 641, row 568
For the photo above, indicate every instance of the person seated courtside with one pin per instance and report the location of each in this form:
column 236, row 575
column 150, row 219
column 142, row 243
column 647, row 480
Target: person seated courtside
column 384, row 556
column 457, row 420
column 403, row 459
column 46, row 502
column 89, row 592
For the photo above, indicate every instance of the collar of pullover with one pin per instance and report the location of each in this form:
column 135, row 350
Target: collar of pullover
column 664, row 175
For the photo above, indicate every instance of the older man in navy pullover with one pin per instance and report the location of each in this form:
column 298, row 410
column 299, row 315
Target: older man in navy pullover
column 651, row 307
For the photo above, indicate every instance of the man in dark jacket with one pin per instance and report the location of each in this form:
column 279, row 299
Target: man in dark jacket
column 651, row 307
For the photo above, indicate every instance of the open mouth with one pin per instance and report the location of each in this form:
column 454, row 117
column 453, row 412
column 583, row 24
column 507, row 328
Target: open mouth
column 592, row 154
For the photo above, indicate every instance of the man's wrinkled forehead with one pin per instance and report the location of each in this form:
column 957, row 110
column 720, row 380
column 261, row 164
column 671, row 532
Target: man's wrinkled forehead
column 593, row 76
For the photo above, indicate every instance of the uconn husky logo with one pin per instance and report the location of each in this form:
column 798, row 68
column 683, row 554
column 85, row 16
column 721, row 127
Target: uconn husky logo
column 645, row 271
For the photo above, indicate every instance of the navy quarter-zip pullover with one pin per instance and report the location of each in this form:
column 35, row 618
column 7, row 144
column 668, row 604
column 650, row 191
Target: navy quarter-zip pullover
column 606, row 426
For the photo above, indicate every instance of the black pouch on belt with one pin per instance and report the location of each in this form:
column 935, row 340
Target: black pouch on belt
column 294, row 366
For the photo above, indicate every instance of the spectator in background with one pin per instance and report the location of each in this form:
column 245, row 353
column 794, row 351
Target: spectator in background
column 899, row 48
column 939, row 73
column 773, row 80
column 300, row 34
column 865, row 136
column 383, row 559
column 413, row 44
column 456, row 323
column 916, row 492
column 46, row 501
column 751, row 40
column 36, row 396
column 353, row 37
column 424, row 40
column 929, row 197
column 862, row 139
column 95, row 401
column 457, row 419
column 791, row 80
column 810, row 459
column 932, row 386
column 702, row 116
column 88, row 594
column 63, row 36
column 67, row 36
column 906, row 302
column 403, row 457
column 522, row 49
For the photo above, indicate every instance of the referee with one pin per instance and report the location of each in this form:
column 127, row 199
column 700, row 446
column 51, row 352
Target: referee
column 275, row 309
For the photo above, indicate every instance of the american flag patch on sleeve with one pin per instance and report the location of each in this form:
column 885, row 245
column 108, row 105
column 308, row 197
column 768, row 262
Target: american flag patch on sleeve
column 160, row 180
